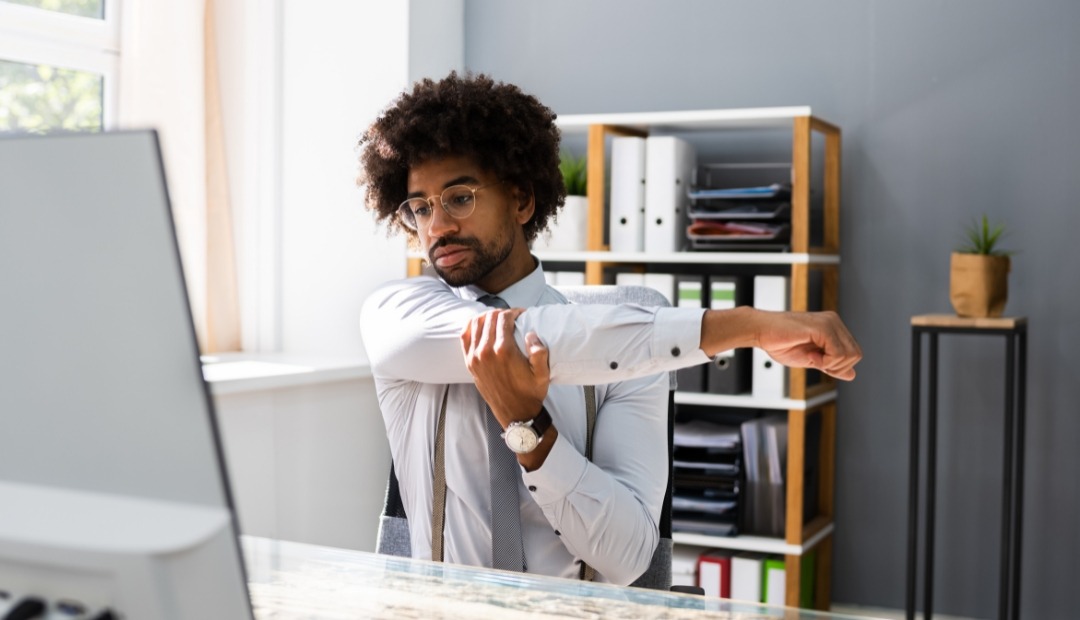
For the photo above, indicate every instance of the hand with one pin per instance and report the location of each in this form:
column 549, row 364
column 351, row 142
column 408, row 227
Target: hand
column 809, row 340
column 513, row 385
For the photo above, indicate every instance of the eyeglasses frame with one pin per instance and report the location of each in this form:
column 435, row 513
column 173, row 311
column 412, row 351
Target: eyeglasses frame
column 405, row 204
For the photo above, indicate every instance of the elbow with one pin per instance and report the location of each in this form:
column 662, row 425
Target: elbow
column 635, row 562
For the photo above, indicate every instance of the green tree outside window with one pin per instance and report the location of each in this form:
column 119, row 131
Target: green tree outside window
column 37, row 98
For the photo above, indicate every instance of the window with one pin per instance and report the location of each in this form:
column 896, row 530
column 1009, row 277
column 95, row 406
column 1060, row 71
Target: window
column 82, row 8
column 58, row 63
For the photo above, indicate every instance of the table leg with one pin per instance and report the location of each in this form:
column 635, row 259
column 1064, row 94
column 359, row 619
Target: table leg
column 1007, row 481
column 931, row 475
column 913, row 471
column 1018, row 474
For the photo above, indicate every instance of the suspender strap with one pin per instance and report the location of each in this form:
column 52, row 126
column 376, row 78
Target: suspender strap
column 438, row 503
column 587, row 572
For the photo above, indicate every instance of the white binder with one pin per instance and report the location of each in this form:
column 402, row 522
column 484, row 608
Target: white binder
column 663, row 282
column 627, row 222
column 628, row 278
column 747, row 569
column 669, row 166
column 564, row 278
column 769, row 379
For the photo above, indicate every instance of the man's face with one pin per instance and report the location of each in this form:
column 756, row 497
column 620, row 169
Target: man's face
column 471, row 249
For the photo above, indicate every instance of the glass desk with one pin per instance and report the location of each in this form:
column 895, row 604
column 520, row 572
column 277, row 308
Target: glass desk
column 292, row 580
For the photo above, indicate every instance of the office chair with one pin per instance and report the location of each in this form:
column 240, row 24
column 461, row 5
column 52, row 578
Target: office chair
column 393, row 537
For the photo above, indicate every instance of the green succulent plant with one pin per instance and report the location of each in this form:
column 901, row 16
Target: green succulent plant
column 574, row 173
column 982, row 238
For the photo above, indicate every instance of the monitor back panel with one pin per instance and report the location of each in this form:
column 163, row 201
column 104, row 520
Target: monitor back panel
column 100, row 384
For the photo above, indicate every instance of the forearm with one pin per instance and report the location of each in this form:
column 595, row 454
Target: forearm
column 607, row 510
column 723, row 330
column 601, row 521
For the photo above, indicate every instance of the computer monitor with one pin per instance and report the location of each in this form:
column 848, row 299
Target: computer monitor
column 113, row 489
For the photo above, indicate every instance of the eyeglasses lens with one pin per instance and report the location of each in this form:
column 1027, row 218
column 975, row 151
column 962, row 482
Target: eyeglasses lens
column 457, row 200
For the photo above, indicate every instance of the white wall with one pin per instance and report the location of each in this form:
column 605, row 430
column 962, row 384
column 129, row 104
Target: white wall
column 306, row 463
column 249, row 68
column 342, row 61
column 301, row 82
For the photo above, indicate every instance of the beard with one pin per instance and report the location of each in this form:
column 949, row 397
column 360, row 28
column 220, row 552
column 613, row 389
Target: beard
column 485, row 259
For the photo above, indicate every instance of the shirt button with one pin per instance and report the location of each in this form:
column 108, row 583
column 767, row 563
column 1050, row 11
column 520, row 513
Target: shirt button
column 675, row 351
column 532, row 488
column 614, row 365
column 558, row 533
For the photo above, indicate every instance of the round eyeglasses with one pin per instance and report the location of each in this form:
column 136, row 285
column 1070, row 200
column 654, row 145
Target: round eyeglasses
column 459, row 202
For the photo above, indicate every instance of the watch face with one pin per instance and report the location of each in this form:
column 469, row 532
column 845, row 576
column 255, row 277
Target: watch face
column 521, row 439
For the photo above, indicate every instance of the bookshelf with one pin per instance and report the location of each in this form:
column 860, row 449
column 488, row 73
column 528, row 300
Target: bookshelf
column 805, row 256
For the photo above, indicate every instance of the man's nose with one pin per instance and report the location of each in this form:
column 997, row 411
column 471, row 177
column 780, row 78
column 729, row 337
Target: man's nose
column 441, row 222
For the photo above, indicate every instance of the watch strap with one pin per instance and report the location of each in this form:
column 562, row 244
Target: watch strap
column 541, row 422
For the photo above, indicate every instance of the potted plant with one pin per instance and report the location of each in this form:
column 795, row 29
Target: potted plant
column 574, row 171
column 979, row 272
column 569, row 231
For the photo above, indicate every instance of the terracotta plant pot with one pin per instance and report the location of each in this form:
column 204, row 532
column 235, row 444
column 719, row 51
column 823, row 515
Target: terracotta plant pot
column 979, row 284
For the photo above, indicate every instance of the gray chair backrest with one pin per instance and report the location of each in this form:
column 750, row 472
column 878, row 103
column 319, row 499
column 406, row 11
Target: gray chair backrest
column 393, row 538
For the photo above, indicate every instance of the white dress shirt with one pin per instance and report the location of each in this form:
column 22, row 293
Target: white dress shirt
column 604, row 512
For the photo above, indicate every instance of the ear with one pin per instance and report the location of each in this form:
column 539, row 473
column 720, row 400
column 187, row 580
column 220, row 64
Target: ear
column 526, row 205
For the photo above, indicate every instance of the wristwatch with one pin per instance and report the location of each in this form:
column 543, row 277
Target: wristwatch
column 522, row 437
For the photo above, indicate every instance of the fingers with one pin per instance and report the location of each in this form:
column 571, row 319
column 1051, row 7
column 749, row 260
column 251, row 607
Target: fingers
column 841, row 351
column 538, row 357
column 504, row 334
column 474, row 329
column 475, row 334
column 817, row 340
column 490, row 333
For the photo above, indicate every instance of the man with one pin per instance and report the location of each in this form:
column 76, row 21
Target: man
column 468, row 168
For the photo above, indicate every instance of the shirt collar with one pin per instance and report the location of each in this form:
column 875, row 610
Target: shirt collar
column 524, row 293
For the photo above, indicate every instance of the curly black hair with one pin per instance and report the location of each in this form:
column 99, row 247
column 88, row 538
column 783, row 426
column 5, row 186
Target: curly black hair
column 505, row 130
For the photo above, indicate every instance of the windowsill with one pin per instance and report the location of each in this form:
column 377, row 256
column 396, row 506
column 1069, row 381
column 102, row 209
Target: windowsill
column 236, row 373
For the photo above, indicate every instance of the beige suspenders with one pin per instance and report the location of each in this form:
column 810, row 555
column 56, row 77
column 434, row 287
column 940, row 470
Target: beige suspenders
column 587, row 572
column 438, row 503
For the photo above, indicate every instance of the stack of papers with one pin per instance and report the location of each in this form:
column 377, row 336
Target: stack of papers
column 704, row 434
column 707, row 468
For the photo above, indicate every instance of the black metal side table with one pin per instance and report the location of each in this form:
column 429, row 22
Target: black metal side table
column 1015, row 331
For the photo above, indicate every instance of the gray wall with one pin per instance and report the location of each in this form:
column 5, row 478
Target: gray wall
column 949, row 109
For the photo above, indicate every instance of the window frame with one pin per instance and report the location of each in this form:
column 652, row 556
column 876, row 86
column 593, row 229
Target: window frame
column 42, row 37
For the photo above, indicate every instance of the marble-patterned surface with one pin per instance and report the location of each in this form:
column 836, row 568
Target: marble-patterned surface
column 292, row 580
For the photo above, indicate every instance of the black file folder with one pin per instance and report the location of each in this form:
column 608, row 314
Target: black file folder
column 729, row 372
column 690, row 292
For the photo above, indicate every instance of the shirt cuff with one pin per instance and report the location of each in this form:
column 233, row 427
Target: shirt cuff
column 558, row 476
column 677, row 335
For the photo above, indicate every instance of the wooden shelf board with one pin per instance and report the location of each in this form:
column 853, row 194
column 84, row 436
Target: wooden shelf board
column 951, row 320
column 761, row 544
column 687, row 119
column 751, row 402
column 695, row 258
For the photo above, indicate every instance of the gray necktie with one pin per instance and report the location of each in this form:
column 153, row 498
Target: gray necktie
column 503, row 475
